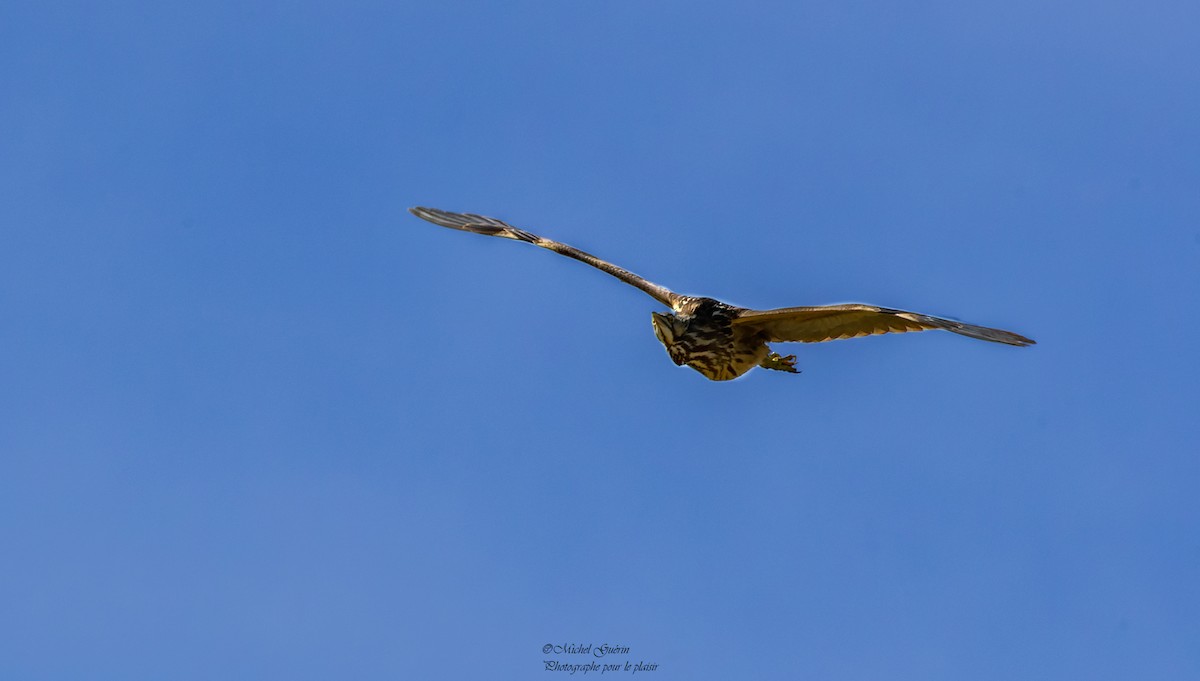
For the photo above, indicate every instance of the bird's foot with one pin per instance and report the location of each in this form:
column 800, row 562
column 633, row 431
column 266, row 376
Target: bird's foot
column 780, row 363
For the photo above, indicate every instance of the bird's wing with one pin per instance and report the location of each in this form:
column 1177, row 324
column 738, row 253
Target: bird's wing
column 831, row 322
column 480, row 224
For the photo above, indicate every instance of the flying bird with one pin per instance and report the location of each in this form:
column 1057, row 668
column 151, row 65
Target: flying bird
column 724, row 341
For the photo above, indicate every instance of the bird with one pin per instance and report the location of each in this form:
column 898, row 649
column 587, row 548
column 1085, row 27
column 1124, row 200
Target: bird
column 723, row 341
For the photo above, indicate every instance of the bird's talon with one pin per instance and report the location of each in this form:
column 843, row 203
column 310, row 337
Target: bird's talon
column 780, row 363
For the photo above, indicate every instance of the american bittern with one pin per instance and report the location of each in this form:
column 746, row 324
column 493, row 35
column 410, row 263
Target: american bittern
column 723, row 341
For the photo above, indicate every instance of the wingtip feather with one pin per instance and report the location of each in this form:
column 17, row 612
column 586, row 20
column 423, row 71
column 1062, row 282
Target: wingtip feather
column 467, row 222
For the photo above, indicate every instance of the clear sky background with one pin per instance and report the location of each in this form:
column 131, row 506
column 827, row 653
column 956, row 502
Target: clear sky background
column 257, row 422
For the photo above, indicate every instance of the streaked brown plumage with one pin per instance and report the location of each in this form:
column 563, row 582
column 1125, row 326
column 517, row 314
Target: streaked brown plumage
column 722, row 341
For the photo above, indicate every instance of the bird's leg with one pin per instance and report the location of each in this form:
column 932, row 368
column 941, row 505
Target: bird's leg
column 780, row 363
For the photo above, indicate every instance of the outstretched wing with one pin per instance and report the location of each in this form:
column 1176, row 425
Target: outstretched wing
column 831, row 322
column 479, row 224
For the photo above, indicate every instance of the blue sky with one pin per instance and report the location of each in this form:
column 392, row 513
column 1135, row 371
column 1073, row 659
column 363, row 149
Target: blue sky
column 259, row 422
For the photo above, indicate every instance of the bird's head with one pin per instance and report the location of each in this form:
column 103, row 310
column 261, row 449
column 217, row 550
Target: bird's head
column 669, row 328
